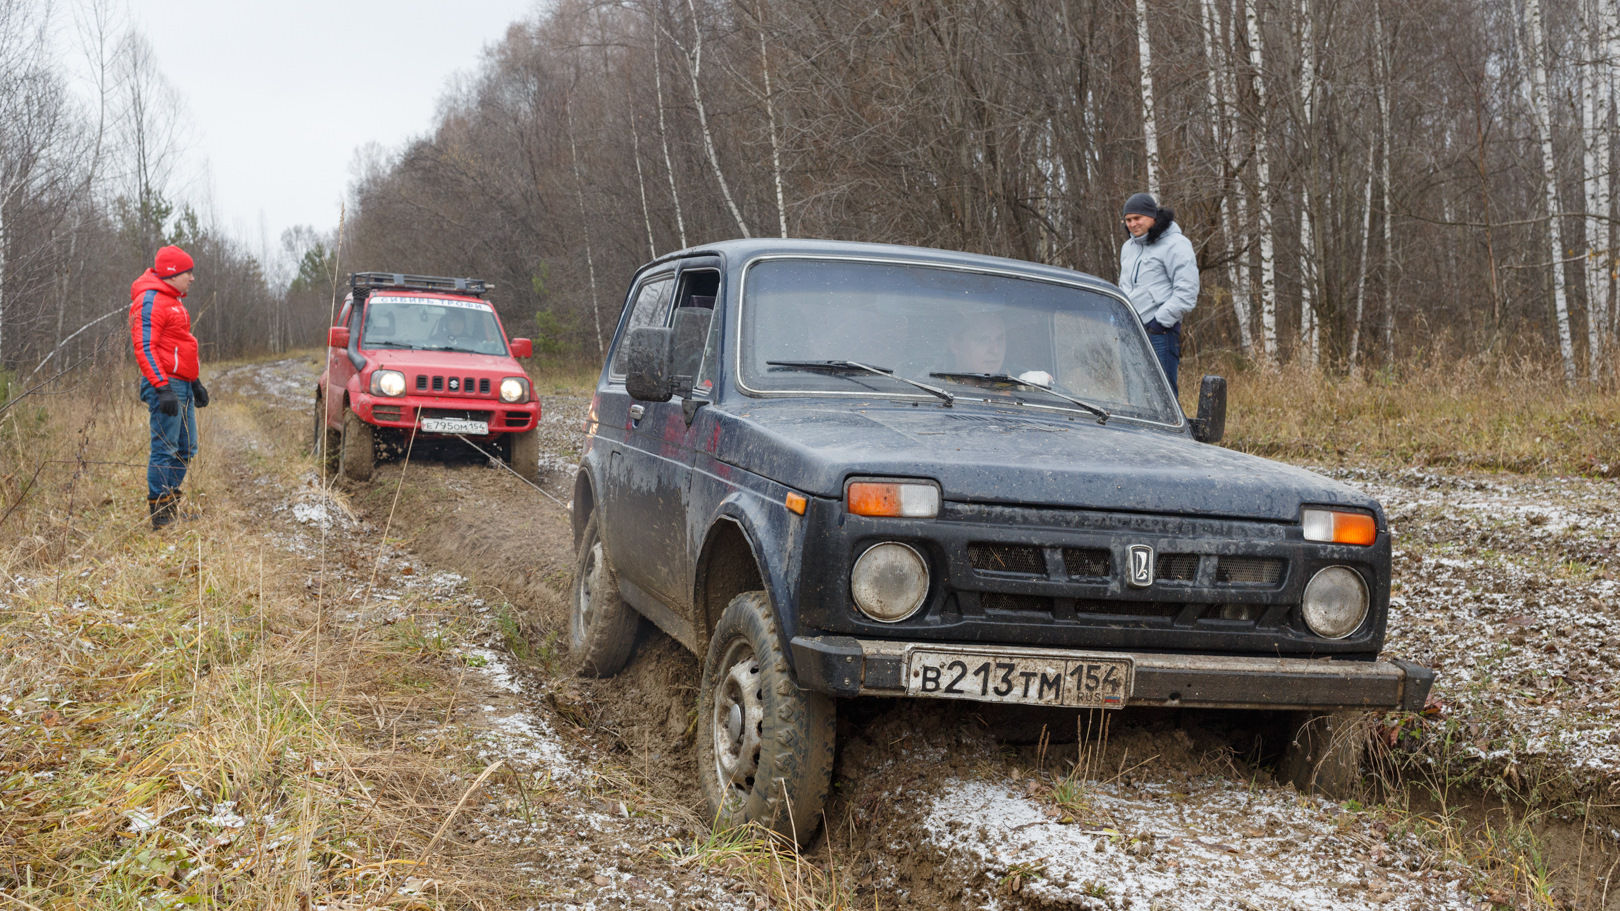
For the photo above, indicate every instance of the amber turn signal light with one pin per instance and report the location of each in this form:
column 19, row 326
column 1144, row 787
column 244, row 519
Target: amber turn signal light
column 893, row 499
column 1335, row 527
column 796, row 503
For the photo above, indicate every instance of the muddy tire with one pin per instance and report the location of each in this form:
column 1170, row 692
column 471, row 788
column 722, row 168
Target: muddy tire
column 359, row 447
column 1324, row 753
column 601, row 627
column 523, row 454
column 324, row 443
column 765, row 747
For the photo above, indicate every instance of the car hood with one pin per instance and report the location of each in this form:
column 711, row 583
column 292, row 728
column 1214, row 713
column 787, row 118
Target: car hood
column 448, row 362
column 986, row 454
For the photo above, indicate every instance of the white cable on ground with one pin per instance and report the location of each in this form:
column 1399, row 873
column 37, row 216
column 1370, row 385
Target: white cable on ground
column 502, row 462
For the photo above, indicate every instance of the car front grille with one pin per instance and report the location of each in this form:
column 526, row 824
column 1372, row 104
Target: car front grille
column 452, row 385
column 1087, row 562
column 387, row 412
column 1016, row 559
column 1176, row 567
column 1249, row 571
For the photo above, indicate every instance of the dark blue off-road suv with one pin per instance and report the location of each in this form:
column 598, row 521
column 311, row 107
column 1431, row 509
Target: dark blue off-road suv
column 836, row 469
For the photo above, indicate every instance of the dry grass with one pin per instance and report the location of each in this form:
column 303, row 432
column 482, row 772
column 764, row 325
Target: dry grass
column 1495, row 416
column 180, row 722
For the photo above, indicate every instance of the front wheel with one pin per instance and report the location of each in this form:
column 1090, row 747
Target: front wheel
column 523, row 454
column 325, row 443
column 765, row 746
column 601, row 627
column 359, row 448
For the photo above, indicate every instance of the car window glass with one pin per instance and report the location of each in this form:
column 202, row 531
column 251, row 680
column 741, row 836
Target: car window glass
column 920, row 320
column 698, row 290
column 431, row 324
column 646, row 309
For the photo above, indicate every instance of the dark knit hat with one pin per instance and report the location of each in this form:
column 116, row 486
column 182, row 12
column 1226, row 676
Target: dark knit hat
column 1142, row 204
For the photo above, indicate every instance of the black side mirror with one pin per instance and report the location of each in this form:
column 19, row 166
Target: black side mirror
column 1210, row 425
column 647, row 355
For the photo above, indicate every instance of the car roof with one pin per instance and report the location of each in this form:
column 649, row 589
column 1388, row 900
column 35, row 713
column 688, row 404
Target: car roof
column 428, row 295
column 739, row 251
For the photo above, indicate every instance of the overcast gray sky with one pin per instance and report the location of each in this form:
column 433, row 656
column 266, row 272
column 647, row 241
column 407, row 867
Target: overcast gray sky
column 280, row 94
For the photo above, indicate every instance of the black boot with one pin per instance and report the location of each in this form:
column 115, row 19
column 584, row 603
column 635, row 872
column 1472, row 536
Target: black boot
column 164, row 509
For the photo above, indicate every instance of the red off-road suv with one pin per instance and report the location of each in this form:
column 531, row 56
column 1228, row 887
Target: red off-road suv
column 414, row 358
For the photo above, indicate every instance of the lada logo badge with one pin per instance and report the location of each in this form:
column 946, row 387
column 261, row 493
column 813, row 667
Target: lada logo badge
column 1140, row 573
column 454, row 384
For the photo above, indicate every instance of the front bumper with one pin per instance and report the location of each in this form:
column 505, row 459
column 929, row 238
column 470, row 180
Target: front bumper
column 406, row 412
column 845, row 666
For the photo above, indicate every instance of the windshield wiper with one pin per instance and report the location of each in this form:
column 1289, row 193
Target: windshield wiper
column 1102, row 416
column 855, row 365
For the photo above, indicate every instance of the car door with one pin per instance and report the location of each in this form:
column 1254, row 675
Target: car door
column 654, row 464
column 338, row 371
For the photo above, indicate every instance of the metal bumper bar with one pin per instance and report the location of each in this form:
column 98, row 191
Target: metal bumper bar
column 844, row 666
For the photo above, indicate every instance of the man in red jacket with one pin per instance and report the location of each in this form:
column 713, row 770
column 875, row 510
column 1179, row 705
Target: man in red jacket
column 160, row 330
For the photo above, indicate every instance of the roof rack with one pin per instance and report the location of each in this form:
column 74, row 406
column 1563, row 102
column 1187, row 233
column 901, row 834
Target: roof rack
column 371, row 281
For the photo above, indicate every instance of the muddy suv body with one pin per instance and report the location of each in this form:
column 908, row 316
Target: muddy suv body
column 421, row 357
column 835, row 470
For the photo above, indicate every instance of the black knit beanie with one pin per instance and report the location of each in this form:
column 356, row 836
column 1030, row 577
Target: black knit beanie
column 1142, row 204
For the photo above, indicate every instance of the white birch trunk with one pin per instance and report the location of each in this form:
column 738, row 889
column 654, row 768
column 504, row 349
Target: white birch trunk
column 1388, row 270
column 1150, row 127
column 770, row 116
column 1543, row 116
column 1308, row 333
column 1595, row 179
column 1268, row 263
column 585, row 222
column 641, row 179
column 1611, row 51
column 663, row 137
column 694, row 67
column 1218, row 132
column 1366, row 244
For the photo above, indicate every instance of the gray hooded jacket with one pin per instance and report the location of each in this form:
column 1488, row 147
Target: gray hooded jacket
column 1160, row 279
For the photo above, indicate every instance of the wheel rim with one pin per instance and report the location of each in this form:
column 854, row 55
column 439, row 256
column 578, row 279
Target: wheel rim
column 739, row 715
column 589, row 582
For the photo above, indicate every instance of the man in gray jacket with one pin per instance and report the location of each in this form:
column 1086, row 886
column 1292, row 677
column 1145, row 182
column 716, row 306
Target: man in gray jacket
column 1158, row 271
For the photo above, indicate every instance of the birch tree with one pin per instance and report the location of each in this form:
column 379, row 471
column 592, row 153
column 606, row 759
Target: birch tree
column 1542, row 115
column 1237, row 277
column 1150, row 124
column 694, row 68
column 1597, row 101
column 1262, row 168
column 1309, row 337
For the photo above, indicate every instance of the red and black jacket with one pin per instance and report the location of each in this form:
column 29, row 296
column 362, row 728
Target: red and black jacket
column 160, row 330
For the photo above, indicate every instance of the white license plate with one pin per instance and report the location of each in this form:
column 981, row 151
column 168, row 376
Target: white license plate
column 1080, row 681
column 455, row 425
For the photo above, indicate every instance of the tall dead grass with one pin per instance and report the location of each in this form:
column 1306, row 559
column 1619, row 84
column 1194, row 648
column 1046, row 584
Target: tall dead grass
column 1492, row 415
column 181, row 722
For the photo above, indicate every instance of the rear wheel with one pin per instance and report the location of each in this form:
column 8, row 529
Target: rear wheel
column 765, row 746
column 359, row 447
column 1325, row 752
column 325, row 443
column 601, row 627
column 523, row 454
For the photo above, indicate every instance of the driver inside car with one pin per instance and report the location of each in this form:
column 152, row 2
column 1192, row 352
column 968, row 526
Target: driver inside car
column 979, row 345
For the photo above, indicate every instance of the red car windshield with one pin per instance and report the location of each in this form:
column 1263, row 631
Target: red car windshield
column 431, row 324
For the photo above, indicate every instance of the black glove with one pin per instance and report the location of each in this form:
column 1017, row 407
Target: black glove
column 167, row 403
column 199, row 394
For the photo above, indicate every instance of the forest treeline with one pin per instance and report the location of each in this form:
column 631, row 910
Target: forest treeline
column 1365, row 180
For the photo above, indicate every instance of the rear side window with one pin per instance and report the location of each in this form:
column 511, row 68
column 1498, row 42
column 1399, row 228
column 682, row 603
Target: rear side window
column 647, row 308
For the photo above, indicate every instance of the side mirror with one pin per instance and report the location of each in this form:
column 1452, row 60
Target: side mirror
column 338, row 337
column 1210, row 425
column 522, row 347
column 647, row 355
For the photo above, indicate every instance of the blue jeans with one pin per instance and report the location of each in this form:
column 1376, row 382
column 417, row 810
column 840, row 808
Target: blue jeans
column 174, row 439
column 1167, row 345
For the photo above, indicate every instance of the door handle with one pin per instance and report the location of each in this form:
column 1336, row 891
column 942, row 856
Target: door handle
column 636, row 411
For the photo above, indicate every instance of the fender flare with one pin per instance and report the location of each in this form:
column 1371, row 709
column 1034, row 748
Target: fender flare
column 735, row 511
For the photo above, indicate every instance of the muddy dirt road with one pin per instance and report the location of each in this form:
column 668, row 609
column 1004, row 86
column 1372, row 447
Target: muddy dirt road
column 1507, row 585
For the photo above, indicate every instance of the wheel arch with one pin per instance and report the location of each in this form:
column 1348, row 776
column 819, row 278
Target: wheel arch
column 730, row 564
column 584, row 502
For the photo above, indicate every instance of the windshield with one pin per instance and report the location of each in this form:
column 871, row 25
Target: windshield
column 936, row 325
column 431, row 324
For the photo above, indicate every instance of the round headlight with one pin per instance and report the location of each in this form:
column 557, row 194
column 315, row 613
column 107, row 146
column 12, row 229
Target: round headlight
column 388, row 382
column 1335, row 602
column 512, row 389
column 889, row 582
